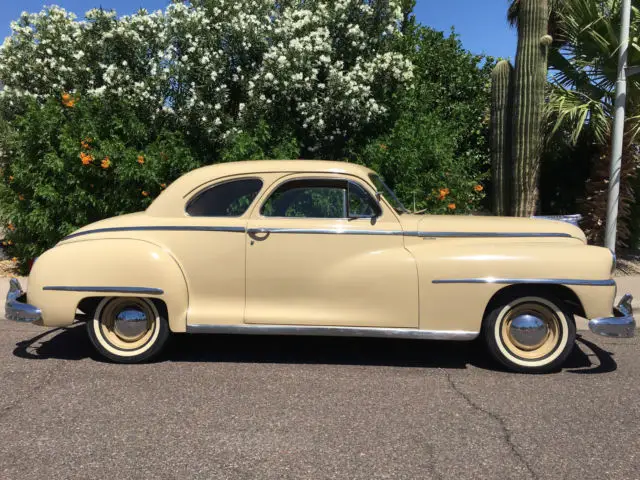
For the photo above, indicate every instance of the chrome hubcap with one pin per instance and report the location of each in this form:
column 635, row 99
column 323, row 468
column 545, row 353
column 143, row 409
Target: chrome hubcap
column 131, row 323
column 528, row 331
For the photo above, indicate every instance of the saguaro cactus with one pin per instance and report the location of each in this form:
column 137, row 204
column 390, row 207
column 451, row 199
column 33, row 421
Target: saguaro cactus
column 501, row 119
column 528, row 100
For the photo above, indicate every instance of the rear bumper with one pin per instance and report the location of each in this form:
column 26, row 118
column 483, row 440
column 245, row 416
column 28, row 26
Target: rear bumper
column 622, row 324
column 17, row 310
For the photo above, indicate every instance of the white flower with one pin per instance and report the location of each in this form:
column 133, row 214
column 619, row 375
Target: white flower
column 284, row 56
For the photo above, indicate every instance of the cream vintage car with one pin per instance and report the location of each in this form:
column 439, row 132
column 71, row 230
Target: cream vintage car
column 321, row 248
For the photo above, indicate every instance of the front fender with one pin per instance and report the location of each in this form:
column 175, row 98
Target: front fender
column 447, row 268
column 109, row 262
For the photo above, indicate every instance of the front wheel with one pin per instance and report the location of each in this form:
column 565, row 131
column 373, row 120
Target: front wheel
column 128, row 330
column 530, row 334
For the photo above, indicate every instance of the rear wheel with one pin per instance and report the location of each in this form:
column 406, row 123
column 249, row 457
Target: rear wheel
column 530, row 334
column 128, row 330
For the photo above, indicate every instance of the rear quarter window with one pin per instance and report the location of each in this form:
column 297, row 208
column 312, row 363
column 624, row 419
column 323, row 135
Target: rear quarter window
column 229, row 199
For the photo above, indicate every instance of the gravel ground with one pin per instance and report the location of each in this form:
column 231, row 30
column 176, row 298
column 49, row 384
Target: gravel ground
column 221, row 407
column 628, row 263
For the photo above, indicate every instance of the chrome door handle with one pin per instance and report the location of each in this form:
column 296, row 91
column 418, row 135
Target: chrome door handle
column 258, row 234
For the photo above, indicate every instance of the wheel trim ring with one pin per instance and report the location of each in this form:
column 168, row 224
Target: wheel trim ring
column 523, row 362
column 109, row 334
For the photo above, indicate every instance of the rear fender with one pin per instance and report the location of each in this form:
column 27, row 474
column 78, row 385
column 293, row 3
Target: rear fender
column 108, row 264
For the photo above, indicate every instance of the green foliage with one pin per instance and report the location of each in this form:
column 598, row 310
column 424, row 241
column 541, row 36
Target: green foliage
column 580, row 107
column 418, row 159
column 48, row 191
column 440, row 139
column 413, row 106
column 261, row 142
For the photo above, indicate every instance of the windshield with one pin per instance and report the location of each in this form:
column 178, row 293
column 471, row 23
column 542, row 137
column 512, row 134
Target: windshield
column 382, row 188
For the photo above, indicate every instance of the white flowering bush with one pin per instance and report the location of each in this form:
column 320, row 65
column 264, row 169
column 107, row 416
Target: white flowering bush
column 101, row 103
column 215, row 67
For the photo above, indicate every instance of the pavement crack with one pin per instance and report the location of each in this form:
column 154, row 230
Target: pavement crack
column 506, row 434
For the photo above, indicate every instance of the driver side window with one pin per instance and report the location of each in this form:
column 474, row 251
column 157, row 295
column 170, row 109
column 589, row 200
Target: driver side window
column 320, row 198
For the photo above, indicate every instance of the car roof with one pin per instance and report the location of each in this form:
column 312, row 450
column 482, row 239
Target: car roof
column 175, row 193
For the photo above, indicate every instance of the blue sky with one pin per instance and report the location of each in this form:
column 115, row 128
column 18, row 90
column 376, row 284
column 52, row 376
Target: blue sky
column 481, row 24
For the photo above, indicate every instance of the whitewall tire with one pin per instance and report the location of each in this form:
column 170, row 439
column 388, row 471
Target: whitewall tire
column 128, row 329
column 530, row 334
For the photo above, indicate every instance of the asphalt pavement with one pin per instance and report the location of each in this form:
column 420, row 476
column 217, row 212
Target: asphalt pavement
column 245, row 407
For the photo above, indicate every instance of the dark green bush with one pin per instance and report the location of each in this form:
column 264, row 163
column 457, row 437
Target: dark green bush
column 72, row 165
column 436, row 155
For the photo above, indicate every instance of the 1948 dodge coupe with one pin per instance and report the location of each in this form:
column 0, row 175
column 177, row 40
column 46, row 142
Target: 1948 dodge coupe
column 321, row 248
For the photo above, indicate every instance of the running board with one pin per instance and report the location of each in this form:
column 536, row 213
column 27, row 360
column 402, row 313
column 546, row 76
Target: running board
column 334, row 331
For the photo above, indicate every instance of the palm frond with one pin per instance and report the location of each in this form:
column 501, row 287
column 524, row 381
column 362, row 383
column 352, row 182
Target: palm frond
column 576, row 111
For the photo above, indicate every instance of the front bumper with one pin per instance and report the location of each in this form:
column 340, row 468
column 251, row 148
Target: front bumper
column 622, row 324
column 19, row 311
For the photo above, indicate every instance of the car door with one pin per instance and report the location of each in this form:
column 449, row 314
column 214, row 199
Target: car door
column 322, row 251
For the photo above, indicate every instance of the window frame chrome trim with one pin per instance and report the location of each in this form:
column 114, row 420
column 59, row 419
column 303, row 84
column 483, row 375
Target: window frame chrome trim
column 135, row 290
column 273, row 188
column 334, row 331
column 536, row 281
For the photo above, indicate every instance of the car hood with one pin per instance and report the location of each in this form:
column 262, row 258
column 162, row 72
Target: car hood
column 481, row 226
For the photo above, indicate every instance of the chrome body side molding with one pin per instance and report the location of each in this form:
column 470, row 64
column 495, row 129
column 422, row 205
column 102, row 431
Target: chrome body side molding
column 324, row 231
column 487, row 234
column 153, row 228
column 318, row 231
column 255, row 329
column 408, row 233
column 140, row 290
column 538, row 281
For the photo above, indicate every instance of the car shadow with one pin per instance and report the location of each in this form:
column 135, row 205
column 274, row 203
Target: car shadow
column 72, row 343
column 69, row 343
column 579, row 359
